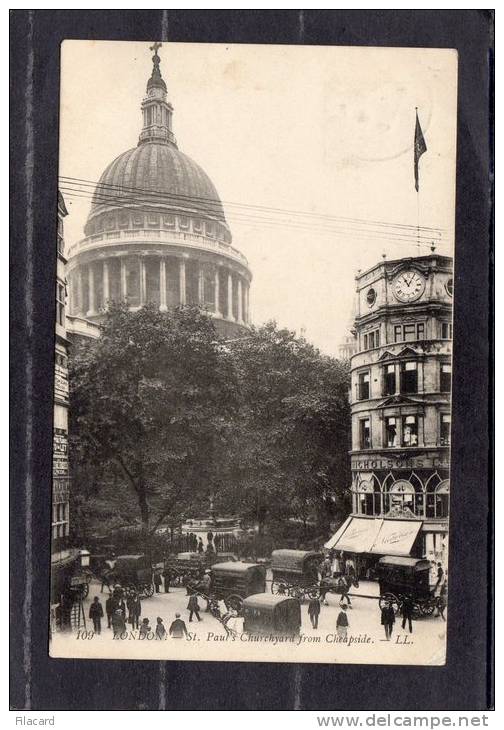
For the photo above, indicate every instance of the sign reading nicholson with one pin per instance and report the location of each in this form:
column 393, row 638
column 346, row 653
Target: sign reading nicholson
column 426, row 460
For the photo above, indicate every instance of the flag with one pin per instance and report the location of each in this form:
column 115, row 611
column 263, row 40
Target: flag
column 420, row 147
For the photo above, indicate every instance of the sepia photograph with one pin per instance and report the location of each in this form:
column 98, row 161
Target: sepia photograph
column 253, row 353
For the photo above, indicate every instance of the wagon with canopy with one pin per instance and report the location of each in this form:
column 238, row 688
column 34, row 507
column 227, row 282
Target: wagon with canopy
column 232, row 582
column 134, row 572
column 267, row 614
column 401, row 578
column 295, row 573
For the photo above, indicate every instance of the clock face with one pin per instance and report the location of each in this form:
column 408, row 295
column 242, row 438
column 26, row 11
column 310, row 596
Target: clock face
column 371, row 297
column 449, row 287
column 408, row 286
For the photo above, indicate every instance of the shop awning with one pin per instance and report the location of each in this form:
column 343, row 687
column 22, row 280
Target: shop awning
column 356, row 535
column 377, row 536
column 396, row 537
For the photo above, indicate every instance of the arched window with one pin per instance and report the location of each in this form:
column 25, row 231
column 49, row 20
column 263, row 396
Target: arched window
column 437, row 497
column 368, row 496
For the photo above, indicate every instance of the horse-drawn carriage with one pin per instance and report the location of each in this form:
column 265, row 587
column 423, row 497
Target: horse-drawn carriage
column 295, row 573
column 230, row 582
column 401, row 578
column 267, row 614
column 135, row 573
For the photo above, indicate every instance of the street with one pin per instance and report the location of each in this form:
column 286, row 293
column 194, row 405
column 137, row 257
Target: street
column 366, row 638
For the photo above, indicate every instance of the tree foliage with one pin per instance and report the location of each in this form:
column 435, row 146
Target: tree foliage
column 163, row 415
column 152, row 401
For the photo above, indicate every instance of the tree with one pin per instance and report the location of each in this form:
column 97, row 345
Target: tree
column 151, row 405
column 289, row 449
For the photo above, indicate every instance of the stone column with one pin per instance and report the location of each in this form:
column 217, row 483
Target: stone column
column 201, row 286
column 143, row 282
column 124, row 281
column 162, row 285
column 230, row 297
column 240, row 301
column 80, row 301
column 106, row 286
column 92, row 307
column 182, row 282
column 247, row 300
column 217, row 292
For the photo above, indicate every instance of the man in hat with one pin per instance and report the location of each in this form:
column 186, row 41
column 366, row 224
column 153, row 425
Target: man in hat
column 178, row 629
column 342, row 623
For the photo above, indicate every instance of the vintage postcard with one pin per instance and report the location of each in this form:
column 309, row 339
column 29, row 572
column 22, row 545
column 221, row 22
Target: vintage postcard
column 252, row 405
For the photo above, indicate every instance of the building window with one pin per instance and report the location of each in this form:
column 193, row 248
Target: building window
column 389, row 384
column 444, row 435
column 153, row 220
column 371, row 340
column 365, row 434
column 409, row 377
column 184, row 222
column 138, row 220
column 445, row 378
column 410, row 431
column 61, row 242
column 391, row 432
column 60, row 304
column 409, row 332
column 446, row 331
column 197, row 226
column 363, row 386
column 169, row 221
column 210, row 230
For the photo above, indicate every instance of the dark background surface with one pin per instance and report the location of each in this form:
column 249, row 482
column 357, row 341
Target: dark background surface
column 38, row 682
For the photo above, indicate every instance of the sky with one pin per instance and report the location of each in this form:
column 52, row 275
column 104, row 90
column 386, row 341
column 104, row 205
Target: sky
column 312, row 129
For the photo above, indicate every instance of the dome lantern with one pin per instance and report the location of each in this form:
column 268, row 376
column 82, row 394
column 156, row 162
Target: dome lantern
column 157, row 111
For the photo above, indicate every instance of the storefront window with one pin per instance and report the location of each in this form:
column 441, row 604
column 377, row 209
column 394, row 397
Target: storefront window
column 410, row 431
column 409, row 377
column 391, row 431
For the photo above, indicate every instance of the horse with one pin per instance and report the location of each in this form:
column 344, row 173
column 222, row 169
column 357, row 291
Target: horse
column 341, row 586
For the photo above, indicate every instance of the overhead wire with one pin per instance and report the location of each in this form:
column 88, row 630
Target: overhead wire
column 217, row 203
column 390, row 237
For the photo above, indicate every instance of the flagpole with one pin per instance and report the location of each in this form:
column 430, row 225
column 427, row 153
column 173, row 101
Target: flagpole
column 418, row 202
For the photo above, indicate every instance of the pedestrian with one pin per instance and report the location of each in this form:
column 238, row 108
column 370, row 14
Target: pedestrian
column 205, row 584
column 135, row 610
column 441, row 602
column 160, row 629
column 109, row 609
column 201, row 547
column 144, row 628
column 342, row 624
column 157, row 581
column 178, row 629
column 350, row 567
column 440, row 576
column 167, row 577
column 314, row 611
column 326, row 568
column 96, row 614
column 388, row 619
column 193, row 607
column 407, row 613
column 118, row 623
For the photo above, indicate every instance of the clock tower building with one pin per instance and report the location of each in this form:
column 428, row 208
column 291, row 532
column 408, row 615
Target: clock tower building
column 401, row 411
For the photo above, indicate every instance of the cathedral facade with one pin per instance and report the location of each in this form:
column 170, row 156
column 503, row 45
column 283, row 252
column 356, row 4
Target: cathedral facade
column 157, row 233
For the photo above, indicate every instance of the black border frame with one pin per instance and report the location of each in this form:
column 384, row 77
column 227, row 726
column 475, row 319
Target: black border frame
column 39, row 682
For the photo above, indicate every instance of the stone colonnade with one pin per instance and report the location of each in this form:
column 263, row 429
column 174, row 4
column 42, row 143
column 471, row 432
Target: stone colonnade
column 165, row 280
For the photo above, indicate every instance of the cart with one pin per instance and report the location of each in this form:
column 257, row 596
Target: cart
column 295, row 573
column 267, row 614
column 406, row 577
column 134, row 572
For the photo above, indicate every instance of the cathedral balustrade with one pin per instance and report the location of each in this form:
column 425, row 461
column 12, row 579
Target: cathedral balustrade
column 180, row 238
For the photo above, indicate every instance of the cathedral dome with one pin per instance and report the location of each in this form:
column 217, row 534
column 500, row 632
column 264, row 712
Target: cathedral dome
column 158, row 176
